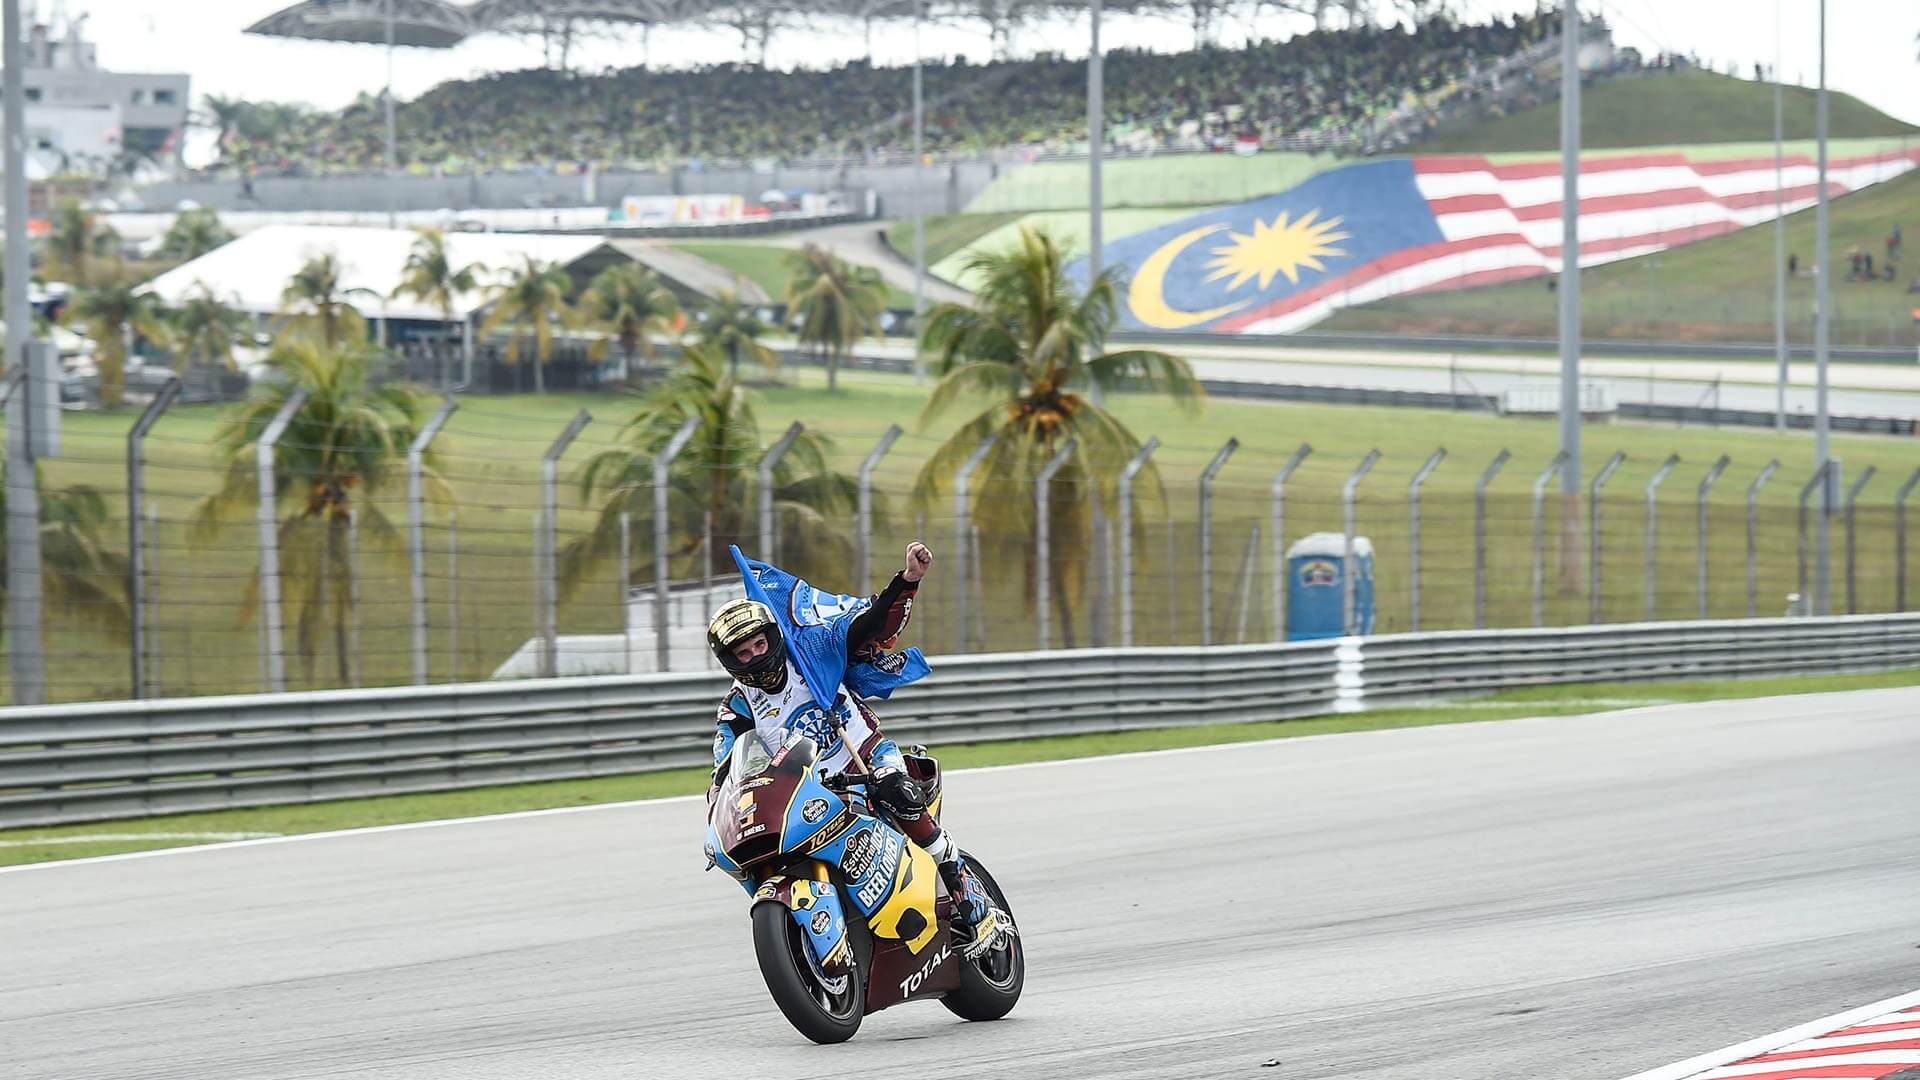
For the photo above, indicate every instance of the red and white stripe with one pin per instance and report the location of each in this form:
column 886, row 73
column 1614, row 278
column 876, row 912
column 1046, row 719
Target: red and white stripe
column 1502, row 221
column 1874, row 1041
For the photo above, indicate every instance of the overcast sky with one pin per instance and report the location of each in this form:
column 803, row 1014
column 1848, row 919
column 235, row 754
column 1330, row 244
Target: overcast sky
column 1871, row 45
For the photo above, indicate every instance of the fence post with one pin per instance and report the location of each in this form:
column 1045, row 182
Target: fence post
column 1803, row 605
column 1125, row 499
column 1043, row 539
column 1413, row 536
column 355, row 666
column 1753, row 537
column 1540, row 536
column 626, row 582
column 549, row 555
column 137, row 525
column 864, row 511
column 1206, row 538
column 1853, row 493
column 1278, row 539
column 769, row 534
column 1244, row 592
column 274, row 664
column 1480, row 536
column 1653, row 533
column 1593, row 536
column 1900, row 540
column 962, row 535
column 662, row 468
column 1347, row 516
column 1700, row 530
column 417, row 532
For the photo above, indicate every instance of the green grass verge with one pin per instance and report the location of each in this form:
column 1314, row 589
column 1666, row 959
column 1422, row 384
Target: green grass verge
column 766, row 266
column 946, row 233
column 1716, row 289
column 68, row 842
column 1169, row 180
column 1685, row 108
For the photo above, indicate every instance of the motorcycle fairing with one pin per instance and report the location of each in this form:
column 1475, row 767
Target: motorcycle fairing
column 804, row 899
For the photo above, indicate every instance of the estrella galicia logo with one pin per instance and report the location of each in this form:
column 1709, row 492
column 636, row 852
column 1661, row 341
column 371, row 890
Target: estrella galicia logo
column 814, row 810
column 857, row 862
column 821, row 920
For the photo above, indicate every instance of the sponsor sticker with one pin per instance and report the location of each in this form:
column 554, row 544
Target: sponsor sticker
column 814, row 810
column 821, row 920
column 912, row 982
column 876, row 886
column 857, row 862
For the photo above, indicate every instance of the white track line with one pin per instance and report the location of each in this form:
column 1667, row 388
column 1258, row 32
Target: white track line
column 118, row 837
column 1769, row 1043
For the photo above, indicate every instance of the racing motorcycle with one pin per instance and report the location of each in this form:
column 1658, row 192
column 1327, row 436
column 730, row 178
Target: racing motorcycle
column 849, row 916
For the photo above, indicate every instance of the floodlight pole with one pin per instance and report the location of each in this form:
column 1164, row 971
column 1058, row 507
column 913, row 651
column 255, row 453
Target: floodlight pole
column 392, row 155
column 1570, row 283
column 919, row 193
column 25, row 652
column 1779, row 237
column 1823, row 538
column 1096, row 139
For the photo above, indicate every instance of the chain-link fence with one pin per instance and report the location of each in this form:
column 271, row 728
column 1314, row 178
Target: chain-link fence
column 503, row 562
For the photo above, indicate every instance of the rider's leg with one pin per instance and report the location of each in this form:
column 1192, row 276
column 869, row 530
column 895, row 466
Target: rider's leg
column 905, row 801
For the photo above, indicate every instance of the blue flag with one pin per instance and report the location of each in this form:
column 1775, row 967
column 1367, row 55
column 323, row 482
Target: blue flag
column 815, row 624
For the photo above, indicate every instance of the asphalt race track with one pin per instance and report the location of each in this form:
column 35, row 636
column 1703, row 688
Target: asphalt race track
column 1575, row 899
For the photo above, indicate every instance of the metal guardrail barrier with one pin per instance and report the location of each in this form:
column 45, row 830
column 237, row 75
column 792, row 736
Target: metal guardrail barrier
column 75, row 763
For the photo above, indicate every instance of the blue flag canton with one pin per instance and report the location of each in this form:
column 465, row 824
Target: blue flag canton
column 1195, row 273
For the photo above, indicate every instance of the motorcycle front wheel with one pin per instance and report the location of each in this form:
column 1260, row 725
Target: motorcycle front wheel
column 817, row 1008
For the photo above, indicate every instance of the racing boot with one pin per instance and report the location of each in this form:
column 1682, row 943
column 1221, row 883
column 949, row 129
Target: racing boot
column 973, row 908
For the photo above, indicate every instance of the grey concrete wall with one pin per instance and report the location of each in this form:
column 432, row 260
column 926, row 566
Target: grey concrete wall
column 947, row 189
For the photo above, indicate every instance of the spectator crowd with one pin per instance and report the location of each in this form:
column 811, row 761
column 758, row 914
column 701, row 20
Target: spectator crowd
column 1315, row 87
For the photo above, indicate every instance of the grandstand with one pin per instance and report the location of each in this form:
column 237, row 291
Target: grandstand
column 1329, row 89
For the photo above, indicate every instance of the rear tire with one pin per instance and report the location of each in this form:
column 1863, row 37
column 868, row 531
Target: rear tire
column 990, row 985
column 810, row 1006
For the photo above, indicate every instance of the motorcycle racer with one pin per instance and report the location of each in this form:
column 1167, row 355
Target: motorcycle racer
column 769, row 695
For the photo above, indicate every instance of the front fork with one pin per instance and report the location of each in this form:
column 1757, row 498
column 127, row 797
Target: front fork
column 814, row 904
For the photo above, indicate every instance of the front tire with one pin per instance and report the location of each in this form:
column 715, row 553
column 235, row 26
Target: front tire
column 991, row 984
column 813, row 1008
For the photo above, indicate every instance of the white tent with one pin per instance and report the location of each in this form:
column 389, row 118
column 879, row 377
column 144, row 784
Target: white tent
column 250, row 272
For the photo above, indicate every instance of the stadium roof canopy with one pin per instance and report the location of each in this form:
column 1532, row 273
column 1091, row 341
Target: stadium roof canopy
column 441, row 24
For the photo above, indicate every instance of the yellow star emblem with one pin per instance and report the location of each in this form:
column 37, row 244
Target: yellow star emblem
column 1282, row 247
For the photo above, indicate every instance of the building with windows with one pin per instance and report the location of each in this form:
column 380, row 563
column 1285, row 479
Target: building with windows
column 83, row 118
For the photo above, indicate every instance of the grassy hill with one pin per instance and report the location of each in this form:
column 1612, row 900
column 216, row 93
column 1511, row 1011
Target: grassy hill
column 1683, row 108
column 1718, row 289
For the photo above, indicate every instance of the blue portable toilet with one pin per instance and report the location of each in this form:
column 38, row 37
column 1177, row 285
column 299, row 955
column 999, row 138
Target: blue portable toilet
column 1316, row 588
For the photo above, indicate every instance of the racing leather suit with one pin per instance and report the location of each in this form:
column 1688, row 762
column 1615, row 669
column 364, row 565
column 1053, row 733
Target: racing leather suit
column 777, row 714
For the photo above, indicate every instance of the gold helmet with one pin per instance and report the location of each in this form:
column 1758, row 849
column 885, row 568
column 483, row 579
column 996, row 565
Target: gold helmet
column 735, row 622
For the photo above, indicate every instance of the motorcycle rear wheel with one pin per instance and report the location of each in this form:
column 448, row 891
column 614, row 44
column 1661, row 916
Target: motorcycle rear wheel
column 991, row 984
column 810, row 1006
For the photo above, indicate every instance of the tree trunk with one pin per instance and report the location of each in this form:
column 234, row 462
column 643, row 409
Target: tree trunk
column 539, row 371
column 833, row 368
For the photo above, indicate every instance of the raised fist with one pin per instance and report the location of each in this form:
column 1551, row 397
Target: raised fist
column 919, row 559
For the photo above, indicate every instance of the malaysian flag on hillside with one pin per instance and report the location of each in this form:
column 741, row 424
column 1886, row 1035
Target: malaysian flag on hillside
column 1364, row 232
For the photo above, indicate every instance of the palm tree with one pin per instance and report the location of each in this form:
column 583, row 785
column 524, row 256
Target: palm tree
column 204, row 328
column 222, row 115
column 534, row 297
column 346, row 445
column 430, row 277
column 79, row 239
column 835, row 302
column 735, row 329
column 79, row 575
column 1031, row 343
column 717, row 476
column 112, row 313
column 630, row 302
column 193, row 234
column 314, row 303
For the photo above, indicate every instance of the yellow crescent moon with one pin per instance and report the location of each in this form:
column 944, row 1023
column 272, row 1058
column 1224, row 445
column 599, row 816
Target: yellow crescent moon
column 1148, row 296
